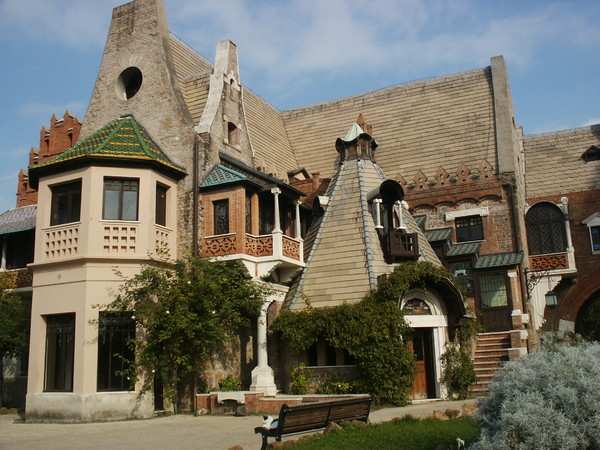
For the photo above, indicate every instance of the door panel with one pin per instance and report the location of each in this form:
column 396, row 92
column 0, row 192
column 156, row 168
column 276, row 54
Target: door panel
column 420, row 345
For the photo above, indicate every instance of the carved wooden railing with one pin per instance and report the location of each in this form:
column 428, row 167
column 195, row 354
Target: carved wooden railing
column 258, row 245
column 19, row 278
column 219, row 245
column 554, row 261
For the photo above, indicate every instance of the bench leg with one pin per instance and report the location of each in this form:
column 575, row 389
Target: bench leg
column 264, row 443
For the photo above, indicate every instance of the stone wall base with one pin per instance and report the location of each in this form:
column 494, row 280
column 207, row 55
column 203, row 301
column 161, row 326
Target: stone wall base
column 69, row 407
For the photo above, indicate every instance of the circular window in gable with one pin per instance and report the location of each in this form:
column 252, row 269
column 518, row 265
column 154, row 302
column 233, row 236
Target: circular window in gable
column 129, row 83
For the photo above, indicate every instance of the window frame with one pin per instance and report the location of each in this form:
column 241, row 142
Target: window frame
column 57, row 378
column 71, row 190
column 480, row 292
column 121, row 199
column 160, row 206
column 536, row 243
column 119, row 333
column 469, row 228
column 218, row 228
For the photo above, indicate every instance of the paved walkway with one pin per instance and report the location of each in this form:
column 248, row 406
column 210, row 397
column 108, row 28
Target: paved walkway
column 175, row 432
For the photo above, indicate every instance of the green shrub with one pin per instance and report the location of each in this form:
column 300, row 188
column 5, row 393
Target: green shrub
column 548, row 399
column 335, row 386
column 230, row 383
column 300, row 380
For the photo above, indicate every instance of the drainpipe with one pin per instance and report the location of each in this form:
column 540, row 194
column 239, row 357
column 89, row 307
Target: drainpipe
column 195, row 197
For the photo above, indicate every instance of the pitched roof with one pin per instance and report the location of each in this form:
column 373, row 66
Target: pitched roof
column 418, row 125
column 463, row 249
column 220, row 175
column 440, row 234
column 121, row 139
column 18, row 219
column 499, row 260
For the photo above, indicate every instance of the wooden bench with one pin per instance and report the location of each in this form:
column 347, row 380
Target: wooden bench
column 315, row 416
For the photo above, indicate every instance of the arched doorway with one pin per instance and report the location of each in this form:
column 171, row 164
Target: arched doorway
column 588, row 319
column 427, row 316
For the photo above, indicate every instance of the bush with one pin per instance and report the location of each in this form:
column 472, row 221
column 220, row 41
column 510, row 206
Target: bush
column 548, row 399
column 335, row 386
column 230, row 383
column 300, row 380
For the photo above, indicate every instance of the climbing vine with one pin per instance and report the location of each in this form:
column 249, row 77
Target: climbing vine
column 373, row 331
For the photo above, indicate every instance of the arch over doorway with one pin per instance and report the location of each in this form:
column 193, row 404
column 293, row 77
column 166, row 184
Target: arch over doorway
column 426, row 313
column 587, row 323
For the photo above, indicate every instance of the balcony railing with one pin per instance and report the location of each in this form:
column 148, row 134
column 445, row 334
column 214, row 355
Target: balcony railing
column 258, row 246
column 399, row 245
column 553, row 261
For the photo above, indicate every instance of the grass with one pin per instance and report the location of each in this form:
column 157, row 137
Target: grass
column 404, row 434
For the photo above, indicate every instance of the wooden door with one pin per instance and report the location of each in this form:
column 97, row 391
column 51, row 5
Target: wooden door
column 420, row 345
column 494, row 302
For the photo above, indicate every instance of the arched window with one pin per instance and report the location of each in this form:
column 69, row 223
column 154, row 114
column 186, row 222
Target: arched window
column 545, row 229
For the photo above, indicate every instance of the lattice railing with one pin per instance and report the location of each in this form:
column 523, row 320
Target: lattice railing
column 219, row 245
column 61, row 242
column 554, row 261
column 120, row 239
column 291, row 248
column 258, row 245
column 162, row 238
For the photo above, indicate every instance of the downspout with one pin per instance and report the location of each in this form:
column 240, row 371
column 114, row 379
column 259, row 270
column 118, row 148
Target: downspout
column 195, row 200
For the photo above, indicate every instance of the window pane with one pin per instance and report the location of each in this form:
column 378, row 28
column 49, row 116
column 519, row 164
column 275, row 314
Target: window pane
column 469, row 229
column 115, row 332
column 545, row 229
column 595, row 231
column 111, row 205
column 66, row 203
column 60, row 351
column 221, row 217
column 493, row 291
column 161, row 205
column 130, row 205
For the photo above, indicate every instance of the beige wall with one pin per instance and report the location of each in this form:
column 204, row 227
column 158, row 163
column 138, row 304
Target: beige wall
column 74, row 272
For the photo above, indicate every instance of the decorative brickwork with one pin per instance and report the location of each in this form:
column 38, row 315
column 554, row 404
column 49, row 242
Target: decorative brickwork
column 61, row 242
column 554, row 261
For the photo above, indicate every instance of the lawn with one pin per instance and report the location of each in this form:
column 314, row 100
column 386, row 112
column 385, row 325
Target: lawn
column 407, row 433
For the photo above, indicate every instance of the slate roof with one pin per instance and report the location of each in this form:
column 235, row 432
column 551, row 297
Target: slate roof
column 498, row 260
column 463, row 249
column 18, row 219
column 220, row 175
column 440, row 234
column 549, row 157
column 120, row 139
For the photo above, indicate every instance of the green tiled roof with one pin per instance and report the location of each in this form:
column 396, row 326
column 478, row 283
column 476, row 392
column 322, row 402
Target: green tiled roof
column 441, row 234
column 499, row 260
column 466, row 248
column 420, row 221
column 18, row 219
column 220, row 175
column 122, row 138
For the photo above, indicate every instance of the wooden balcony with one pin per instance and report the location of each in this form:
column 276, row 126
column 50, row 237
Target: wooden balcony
column 399, row 245
column 275, row 245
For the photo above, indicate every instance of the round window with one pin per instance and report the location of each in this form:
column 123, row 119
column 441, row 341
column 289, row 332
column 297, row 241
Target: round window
column 129, row 83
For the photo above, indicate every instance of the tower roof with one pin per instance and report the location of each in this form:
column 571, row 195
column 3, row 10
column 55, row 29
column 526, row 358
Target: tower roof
column 121, row 141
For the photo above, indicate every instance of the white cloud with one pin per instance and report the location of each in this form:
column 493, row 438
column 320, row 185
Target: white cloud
column 593, row 121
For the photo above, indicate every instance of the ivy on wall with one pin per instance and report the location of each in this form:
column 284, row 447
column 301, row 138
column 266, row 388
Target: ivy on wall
column 373, row 331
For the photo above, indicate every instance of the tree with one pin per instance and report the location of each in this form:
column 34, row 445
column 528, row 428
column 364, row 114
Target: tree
column 14, row 324
column 186, row 310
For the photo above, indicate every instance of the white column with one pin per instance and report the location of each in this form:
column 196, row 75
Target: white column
column 276, row 192
column 570, row 249
column 263, row 379
column 377, row 205
column 298, row 229
column 398, row 207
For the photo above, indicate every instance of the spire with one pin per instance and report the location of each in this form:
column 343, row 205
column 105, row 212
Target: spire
column 358, row 143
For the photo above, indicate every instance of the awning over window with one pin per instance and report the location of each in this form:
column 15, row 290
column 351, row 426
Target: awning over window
column 18, row 219
column 499, row 260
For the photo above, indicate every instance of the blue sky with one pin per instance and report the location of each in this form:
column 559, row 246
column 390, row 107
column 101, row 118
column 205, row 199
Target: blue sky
column 294, row 53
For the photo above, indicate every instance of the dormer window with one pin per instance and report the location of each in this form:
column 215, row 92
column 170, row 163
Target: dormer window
column 591, row 154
